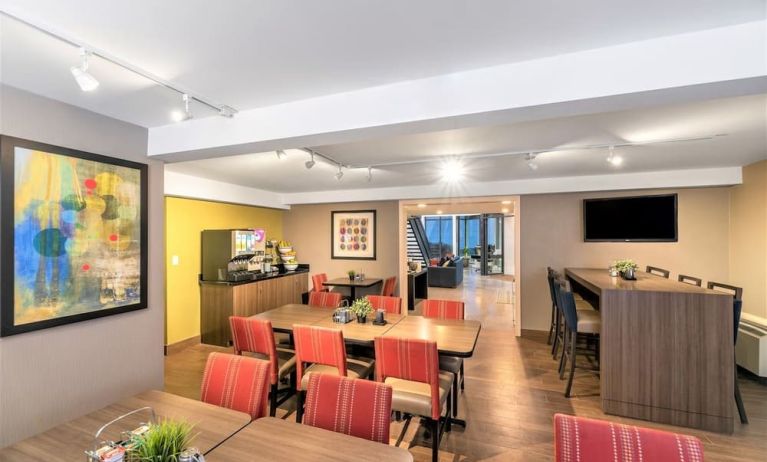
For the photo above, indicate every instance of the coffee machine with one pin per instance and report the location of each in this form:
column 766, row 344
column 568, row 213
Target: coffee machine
column 232, row 254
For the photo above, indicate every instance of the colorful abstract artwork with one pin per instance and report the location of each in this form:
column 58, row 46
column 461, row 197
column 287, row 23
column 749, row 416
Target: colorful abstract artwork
column 353, row 235
column 77, row 224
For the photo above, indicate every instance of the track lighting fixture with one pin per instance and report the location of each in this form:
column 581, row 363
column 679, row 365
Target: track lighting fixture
column 310, row 163
column 613, row 159
column 84, row 79
column 531, row 164
column 280, row 154
column 186, row 114
column 340, row 173
column 227, row 111
column 370, row 174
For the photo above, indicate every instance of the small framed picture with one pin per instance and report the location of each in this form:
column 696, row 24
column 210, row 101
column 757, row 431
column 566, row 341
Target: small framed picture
column 353, row 235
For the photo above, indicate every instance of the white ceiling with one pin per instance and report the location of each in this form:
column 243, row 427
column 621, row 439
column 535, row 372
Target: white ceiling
column 257, row 53
column 743, row 119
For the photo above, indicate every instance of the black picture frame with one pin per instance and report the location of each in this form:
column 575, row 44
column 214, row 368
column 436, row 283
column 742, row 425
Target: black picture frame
column 335, row 251
column 8, row 147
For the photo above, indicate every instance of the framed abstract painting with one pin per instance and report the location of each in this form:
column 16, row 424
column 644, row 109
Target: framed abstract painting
column 73, row 227
column 353, row 235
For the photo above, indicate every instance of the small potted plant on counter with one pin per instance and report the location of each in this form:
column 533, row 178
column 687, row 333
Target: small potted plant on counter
column 351, row 274
column 626, row 268
column 362, row 308
column 163, row 442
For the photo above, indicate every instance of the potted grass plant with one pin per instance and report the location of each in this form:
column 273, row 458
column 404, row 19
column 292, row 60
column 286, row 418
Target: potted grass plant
column 351, row 274
column 362, row 308
column 626, row 268
column 163, row 442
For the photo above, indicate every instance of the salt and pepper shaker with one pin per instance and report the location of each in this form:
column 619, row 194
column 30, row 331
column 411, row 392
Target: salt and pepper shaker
column 380, row 316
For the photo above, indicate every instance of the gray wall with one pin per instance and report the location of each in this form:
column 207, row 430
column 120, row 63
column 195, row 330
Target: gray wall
column 53, row 375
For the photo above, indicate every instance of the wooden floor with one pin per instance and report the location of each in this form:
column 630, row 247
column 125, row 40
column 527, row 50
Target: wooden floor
column 512, row 392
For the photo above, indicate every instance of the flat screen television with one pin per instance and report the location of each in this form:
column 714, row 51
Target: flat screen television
column 630, row 219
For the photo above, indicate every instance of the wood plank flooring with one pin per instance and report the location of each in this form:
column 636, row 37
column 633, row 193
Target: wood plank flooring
column 512, row 392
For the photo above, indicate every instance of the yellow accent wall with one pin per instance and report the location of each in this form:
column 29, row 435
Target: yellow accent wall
column 184, row 221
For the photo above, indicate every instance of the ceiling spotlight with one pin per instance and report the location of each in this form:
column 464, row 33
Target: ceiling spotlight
column 505, row 202
column 531, row 164
column 179, row 116
column 227, row 111
column 439, row 212
column 84, row 79
column 612, row 159
column 340, row 174
column 370, row 174
column 452, row 171
column 280, row 154
column 504, row 210
column 310, row 163
column 421, row 206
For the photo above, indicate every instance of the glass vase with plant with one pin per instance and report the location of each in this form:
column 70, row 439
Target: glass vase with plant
column 163, row 442
column 362, row 308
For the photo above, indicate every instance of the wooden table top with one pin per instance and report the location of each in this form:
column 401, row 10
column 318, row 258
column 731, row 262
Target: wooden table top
column 285, row 316
column 270, row 439
column 363, row 333
column 69, row 441
column 597, row 280
column 453, row 337
column 345, row 282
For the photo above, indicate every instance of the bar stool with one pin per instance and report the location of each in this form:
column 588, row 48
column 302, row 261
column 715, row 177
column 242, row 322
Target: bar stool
column 411, row 367
column 737, row 294
column 693, row 281
column 323, row 350
column 576, row 322
column 559, row 328
column 256, row 336
column 658, row 271
column 325, row 299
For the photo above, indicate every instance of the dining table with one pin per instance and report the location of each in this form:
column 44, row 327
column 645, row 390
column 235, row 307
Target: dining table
column 69, row 441
column 352, row 284
column 269, row 439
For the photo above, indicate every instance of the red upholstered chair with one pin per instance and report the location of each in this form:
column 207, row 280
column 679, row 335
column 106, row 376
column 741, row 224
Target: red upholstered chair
column 411, row 367
column 256, row 336
column 325, row 299
column 236, row 382
column 448, row 309
column 317, row 281
column 578, row 438
column 388, row 286
column 354, row 407
column 389, row 304
column 324, row 352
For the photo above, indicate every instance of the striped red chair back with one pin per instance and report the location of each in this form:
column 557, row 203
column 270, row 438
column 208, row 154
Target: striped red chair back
column 317, row 281
column 236, row 382
column 318, row 345
column 255, row 336
column 325, row 299
column 390, row 304
column 388, row 287
column 353, row 407
column 443, row 309
column 579, row 438
column 409, row 359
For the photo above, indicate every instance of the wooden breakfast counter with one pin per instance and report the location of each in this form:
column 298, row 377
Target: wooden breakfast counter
column 666, row 351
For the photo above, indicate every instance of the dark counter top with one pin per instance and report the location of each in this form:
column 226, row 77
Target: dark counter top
column 263, row 276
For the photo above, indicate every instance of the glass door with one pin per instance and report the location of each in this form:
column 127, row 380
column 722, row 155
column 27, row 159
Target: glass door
column 491, row 246
column 469, row 246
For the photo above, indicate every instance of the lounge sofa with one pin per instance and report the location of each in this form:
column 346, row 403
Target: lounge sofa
column 446, row 276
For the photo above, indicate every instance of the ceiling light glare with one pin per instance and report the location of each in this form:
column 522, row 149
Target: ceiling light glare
column 452, row 171
column 531, row 164
column 176, row 115
column 613, row 159
column 84, row 79
column 505, row 202
column 439, row 212
column 280, row 154
column 310, row 163
column 340, row 174
column 505, row 210
column 421, row 206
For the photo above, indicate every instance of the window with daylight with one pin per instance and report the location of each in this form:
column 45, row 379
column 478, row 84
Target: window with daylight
column 439, row 232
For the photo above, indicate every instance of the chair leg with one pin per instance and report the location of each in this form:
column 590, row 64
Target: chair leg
column 434, row 440
column 299, row 406
column 550, row 339
column 463, row 375
column 563, row 358
column 449, row 413
column 739, row 400
column 574, row 337
column 273, row 400
column 454, row 400
column 557, row 328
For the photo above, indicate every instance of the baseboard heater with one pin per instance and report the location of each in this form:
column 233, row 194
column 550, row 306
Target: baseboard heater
column 751, row 349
